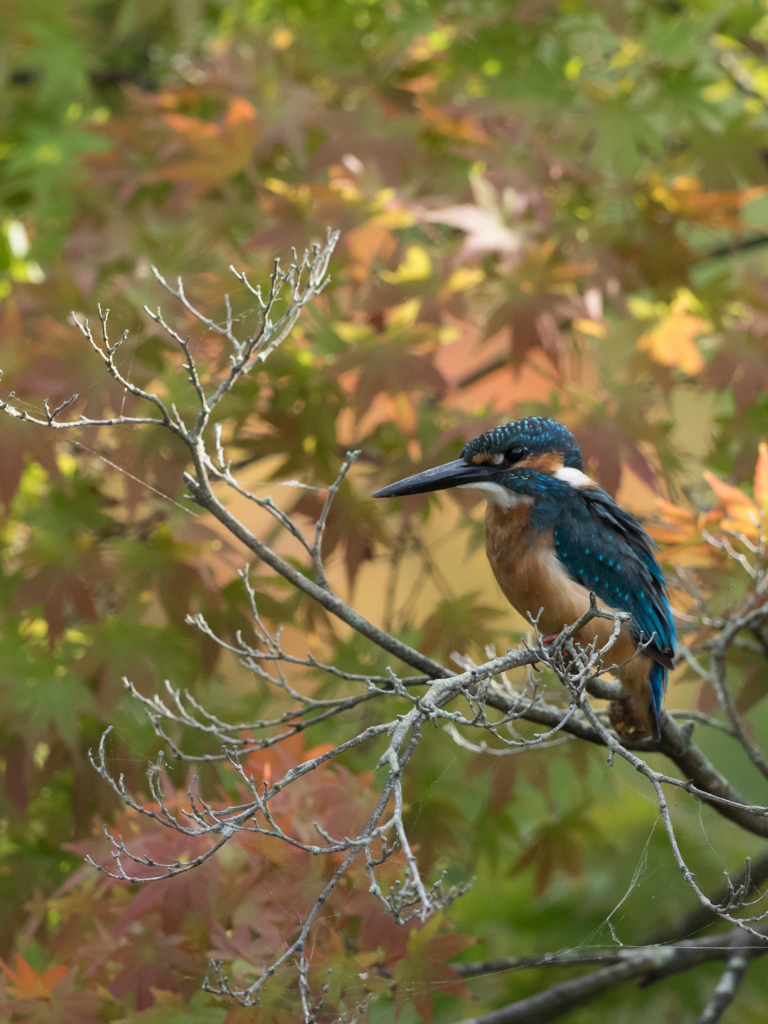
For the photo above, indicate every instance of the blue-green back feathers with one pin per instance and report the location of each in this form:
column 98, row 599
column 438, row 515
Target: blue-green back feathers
column 606, row 550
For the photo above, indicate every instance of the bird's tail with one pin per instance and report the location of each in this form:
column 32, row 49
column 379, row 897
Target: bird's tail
column 658, row 680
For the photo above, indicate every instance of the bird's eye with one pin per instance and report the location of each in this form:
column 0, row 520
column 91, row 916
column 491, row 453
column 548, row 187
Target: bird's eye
column 515, row 452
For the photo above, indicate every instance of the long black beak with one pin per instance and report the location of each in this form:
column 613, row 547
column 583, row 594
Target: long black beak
column 452, row 474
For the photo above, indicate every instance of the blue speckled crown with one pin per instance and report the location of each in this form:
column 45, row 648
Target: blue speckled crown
column 537, row 433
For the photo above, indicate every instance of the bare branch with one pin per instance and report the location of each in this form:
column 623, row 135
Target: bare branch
column 320, row 525
column 648, row 964
column 726, row 988
column 748, row 883
column 718, row 678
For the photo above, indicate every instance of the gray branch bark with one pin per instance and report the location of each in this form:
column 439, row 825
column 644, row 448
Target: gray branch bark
column 726, row 989
column 646, row 965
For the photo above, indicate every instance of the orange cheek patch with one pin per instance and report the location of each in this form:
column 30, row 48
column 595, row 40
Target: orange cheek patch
column 547, row 462
column 483, row 458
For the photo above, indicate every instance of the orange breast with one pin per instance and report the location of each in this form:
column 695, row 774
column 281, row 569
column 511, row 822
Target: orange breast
column 535, row 583
column 528, row 570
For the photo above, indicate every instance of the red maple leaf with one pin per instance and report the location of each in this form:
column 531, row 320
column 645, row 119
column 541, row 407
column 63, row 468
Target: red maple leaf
column 424, row 969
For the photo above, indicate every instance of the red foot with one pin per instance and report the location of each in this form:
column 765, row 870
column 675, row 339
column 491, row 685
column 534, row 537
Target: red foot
column 549, row 638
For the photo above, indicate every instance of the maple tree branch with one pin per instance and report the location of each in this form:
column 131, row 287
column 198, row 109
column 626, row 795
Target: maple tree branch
column 562, row 958
column 582, row 662
column 411, row 897
column 734, row 247
column 726, row 988
column 437, row 898
column 703, row 779
column 570, row 671
column 106, row 352
column 717, row 660
column 222, row 470
column 647, row 964
column 748, row 882
column 112, row 421
column 179, row 293
column 333, row 490
column 512, row 746
column 202, row 493
column 698, row 718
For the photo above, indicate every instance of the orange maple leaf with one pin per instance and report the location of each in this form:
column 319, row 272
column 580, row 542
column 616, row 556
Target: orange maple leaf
column 670, row 342
column 365, row 243
column 682, row 531
column 741, row 513
column 220, row 149
column 26, row 983
column 732, row 498
column 463, row 127
column 715, row 209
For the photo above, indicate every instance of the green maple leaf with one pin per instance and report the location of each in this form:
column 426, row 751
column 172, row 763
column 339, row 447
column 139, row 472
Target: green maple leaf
column 424, row 969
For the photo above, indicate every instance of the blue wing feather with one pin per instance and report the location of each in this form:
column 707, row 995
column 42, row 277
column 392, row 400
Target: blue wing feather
column 606, row 550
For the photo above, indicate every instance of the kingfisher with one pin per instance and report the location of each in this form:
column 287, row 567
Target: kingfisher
column 552, row 536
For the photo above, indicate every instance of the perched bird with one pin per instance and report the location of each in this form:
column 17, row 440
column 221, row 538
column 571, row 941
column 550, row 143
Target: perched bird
column 552, row 536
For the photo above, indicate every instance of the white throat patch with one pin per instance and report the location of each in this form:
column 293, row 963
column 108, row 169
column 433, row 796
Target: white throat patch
column 574, row 477
column 499, row 495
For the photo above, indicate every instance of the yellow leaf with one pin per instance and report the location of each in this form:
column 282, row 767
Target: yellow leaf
column 447, row 335
column 396, row 218
column 425, row 47
column 417, row 266
column 463, row 279
column 403, row 315
column 718, row 91
column 760, row 80
column 685, row 302
column 382, row 198
column 643, row 309
column 629, row 52
column 280, row 188
column 685, row 183
column 351, row 332
column 440, row 38
column 671, row 343
column 592, row 327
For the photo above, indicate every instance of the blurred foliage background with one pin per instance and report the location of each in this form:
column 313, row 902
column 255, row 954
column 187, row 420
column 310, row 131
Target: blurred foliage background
column 551, row 207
